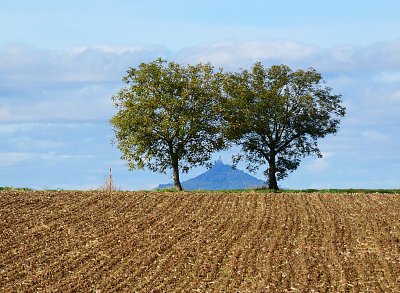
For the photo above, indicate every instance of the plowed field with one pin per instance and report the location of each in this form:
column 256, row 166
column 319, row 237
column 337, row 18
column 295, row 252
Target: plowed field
column 199, row 242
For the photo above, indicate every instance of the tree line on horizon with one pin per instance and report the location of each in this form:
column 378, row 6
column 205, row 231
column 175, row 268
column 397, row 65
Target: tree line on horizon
column 173, row 116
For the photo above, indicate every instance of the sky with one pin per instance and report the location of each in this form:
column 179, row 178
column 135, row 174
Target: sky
column 61, row 62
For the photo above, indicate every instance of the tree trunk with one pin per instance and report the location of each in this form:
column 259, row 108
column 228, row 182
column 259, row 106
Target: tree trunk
column 272, row 182
column 175, row 171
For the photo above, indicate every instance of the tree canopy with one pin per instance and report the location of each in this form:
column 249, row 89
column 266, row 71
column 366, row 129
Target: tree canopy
column 173, row 117
column 167, row 116
column 277, row 116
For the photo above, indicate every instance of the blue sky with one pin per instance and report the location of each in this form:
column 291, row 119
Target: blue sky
column 61, row 61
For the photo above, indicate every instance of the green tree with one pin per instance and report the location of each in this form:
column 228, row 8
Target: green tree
column 167, row 117
column 277, row 116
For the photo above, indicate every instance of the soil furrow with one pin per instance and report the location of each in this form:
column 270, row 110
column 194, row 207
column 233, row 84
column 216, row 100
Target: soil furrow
column 94, row 241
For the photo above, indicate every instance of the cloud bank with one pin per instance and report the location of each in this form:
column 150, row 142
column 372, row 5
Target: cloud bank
column 77, row 84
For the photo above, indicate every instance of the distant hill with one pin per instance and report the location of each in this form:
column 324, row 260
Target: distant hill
column 220, row 177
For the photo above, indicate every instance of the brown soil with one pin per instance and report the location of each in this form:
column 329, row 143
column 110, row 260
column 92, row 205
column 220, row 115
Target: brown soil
column 199, row 242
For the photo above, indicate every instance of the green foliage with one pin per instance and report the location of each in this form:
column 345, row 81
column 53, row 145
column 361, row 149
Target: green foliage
column 167, row 190
column 277, row 116
column 173, row 116
column 167, row 116
column 15, row 188
column 343, row 191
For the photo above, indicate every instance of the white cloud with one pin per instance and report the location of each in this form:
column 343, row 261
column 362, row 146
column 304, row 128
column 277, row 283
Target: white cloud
column 30, row 143
column 8, row 159
column 5, row 115
column 320, row 164
column 343, row 59
column 238, row 54
column 20, row 63
column 375, row 136
column 11, row 128
column 77, row 84
column 43, row 85
column 13, row 158
column 387, row 77
column 86, row 102
column 116, row 49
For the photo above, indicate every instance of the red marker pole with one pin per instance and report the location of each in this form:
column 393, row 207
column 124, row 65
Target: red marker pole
column 110, row 181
